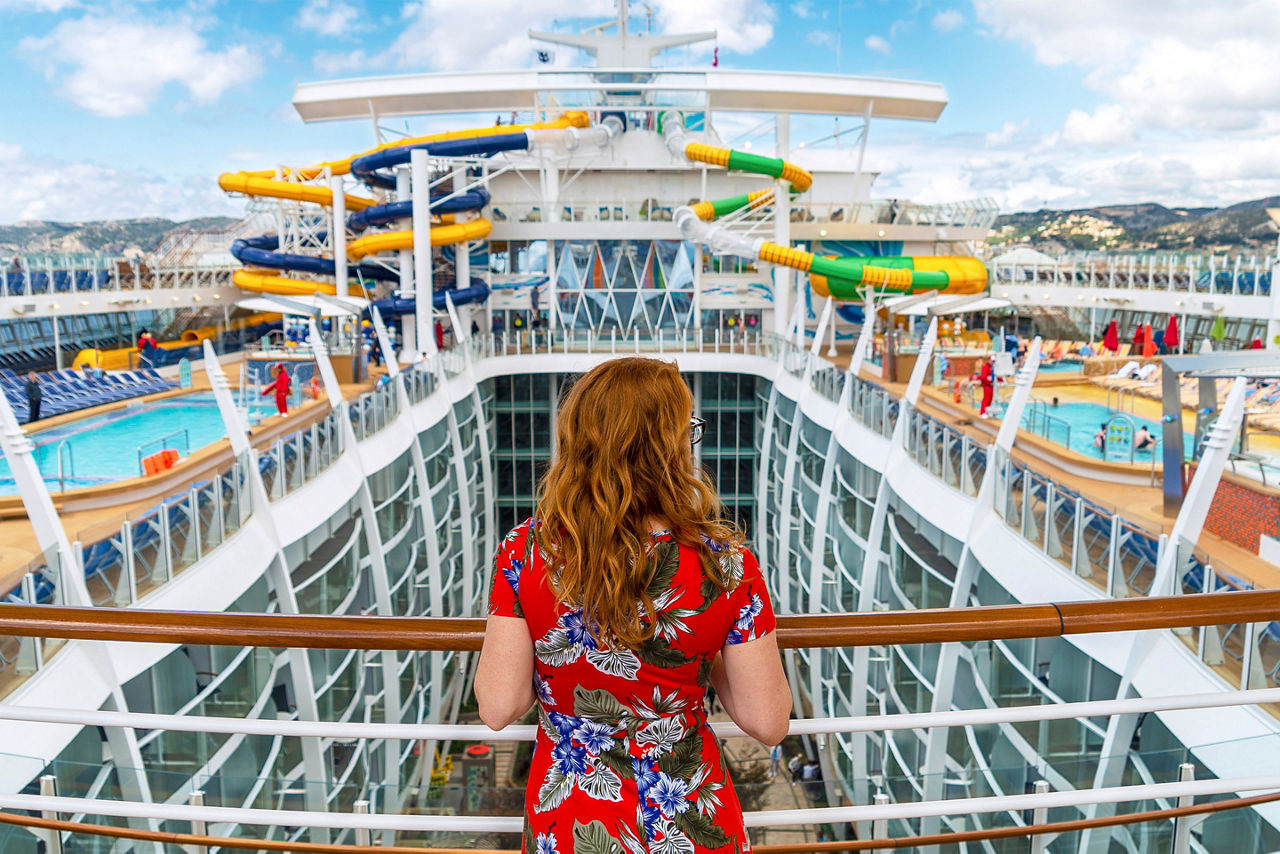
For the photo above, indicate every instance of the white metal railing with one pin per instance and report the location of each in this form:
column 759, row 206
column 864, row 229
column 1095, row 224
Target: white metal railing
column 1240, row 275
column 764, row 818
column 977, row 213
column 109, row 275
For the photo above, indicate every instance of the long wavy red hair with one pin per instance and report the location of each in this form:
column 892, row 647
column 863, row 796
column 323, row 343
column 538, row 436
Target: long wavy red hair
column 622, row 459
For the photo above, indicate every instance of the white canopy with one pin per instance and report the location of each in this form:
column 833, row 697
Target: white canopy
column 328, row 306
column 943, row 304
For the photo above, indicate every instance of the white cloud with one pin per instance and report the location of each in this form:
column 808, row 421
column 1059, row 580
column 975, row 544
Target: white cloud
column 346, row 62
column 119, row 66
column 1168, row 63
column 431, row 36
column 822, row 38
column 878, row 44
column 35, row 188
column 36, row 5
column 1008, row 131
column 1110, row 124
column 947, row 20
column 802, row 9
column 328, row 17
column 1190, row 98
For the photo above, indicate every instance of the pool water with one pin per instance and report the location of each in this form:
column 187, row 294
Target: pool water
column 1075, row 424
column 105, row 448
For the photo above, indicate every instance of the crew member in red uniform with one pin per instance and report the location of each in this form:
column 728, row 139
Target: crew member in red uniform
column 280, row 385
column 987, row 378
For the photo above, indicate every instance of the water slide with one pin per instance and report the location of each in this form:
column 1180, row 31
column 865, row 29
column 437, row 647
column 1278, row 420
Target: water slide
column 369, row 167
column 843, row 277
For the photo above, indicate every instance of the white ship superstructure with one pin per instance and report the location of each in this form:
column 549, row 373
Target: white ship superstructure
column 859, row 495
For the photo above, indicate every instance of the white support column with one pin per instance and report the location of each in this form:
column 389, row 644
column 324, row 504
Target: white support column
column 552, row 296
column 1114, row 752
column 696, row 310
column 408, row 333
column 782, row 231
column 263, row 518
column 461, row 251
column 1182, row 825
column 377, row 557
column 1273, row 320
column 817, row 546
column 424, row 317
column 873, row 555
column 434, row 585
column 338, row 234
column 944, row 676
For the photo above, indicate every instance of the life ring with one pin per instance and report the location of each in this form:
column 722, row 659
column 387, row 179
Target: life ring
column 315, row 388
column 955, row 391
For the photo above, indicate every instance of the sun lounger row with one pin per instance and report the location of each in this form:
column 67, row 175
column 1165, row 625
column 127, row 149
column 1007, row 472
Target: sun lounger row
column 69, row 391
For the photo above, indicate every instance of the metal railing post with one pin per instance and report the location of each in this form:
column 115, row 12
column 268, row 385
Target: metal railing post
column 198, row 828
column 1040, row 815
column 363, row 837
column 1113, row 561
column 49, row 789
column 1182, row 825
column 880, row 827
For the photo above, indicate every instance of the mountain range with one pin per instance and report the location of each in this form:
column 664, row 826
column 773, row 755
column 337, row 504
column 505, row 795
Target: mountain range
column 129, row 237
column 1240, row 227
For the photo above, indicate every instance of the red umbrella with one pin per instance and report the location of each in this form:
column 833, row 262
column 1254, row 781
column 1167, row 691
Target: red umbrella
column 1148, row 342
column 1171, row 332
column 1137, row 341
column 1111, row 340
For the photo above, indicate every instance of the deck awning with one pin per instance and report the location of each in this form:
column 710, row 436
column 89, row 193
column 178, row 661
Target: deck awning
column 944, row 304
column 712, row 89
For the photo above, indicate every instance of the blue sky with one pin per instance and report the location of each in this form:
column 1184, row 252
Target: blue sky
column 117, row 109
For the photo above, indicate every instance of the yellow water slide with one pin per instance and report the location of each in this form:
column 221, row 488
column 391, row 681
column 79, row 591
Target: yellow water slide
column 290, row 184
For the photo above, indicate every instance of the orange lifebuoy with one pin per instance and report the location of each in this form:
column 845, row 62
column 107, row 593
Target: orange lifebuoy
column 955, row 391
column 315, row 388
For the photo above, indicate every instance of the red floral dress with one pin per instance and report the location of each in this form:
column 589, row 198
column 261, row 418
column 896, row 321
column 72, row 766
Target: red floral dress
column 624, row 761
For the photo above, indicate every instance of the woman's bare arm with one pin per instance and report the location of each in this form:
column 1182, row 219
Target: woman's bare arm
column 504, row 676
column 752, row 686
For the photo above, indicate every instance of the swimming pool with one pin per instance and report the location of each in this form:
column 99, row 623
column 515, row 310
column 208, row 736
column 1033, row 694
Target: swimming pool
column 1074, row 425
column 105, row 448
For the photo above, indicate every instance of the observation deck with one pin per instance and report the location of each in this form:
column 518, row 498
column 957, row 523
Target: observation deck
column 304, row 525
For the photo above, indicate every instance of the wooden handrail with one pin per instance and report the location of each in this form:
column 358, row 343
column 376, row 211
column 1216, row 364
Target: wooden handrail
column 796, row 631
column 801, row 848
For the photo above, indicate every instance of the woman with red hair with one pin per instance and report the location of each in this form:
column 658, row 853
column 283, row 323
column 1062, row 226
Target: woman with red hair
column 612, row 611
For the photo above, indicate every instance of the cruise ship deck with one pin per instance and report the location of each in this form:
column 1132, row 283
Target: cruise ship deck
column 997, row 640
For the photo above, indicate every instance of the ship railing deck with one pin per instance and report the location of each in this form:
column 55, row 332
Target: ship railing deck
column 934, row 626
column 1076, row 523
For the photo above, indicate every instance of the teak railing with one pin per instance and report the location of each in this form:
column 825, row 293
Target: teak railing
column 937, row 625
column 237, row 843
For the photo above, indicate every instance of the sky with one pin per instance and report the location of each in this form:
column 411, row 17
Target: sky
column 117, row 109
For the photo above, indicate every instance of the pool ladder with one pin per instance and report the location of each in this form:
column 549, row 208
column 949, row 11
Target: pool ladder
column 62, row 476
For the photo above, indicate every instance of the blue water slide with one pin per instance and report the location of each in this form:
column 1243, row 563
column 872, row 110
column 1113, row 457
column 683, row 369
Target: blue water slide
column 366, row 168
column 259, row 251
column 472, row 200
column 850, row 313
column 399, row 305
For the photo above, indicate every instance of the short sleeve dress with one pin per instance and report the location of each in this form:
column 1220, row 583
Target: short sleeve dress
column 624, row 760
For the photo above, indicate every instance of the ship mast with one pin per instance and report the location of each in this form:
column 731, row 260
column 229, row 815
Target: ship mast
column 621, row 50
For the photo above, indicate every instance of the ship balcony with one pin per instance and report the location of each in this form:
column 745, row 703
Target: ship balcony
column 859, row 457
